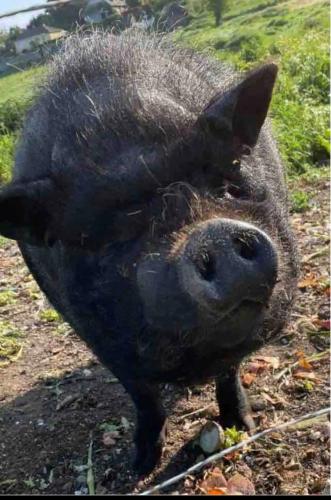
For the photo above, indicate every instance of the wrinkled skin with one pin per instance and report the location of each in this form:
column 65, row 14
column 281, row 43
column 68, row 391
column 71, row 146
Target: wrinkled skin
column 149, row 203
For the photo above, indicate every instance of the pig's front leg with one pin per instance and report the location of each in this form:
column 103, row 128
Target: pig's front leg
column 233, row 402
column 151, row 425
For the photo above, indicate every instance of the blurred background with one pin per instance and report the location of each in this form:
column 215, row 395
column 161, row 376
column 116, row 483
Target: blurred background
column 294, row 33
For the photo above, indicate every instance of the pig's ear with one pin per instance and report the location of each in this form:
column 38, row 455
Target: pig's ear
column 241, row 111
column 24, row 211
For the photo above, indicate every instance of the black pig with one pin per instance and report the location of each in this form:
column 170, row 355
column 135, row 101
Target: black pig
column 149, row 202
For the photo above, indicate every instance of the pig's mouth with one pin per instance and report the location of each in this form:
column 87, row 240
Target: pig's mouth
column 240, row 322
column 248, row 303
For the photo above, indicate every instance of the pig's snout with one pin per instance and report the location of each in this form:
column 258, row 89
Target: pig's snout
column 225, row 263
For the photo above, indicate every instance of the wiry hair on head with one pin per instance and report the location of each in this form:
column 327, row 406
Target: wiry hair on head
column 132, row 82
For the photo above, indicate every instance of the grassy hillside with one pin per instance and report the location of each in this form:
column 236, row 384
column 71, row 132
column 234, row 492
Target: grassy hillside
column 295, row 34
column 16, row 93
column 19, row 86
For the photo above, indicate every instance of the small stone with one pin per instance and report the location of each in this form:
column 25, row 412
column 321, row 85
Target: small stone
column 315, row 435
column 326, row 457
column 324, row 311
column 87, row 372
column 326, row 491
column 108, row 439
column 211, row 437
column 125, row 423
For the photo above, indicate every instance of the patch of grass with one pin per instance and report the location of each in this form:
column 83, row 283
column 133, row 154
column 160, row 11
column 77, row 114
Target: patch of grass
column 10, row 342
column 233, row 436
column 17, row 91
column 63, row 329
column 50, row 316
column 296, row 36
column 299, row 201
column 7, row 144
column 4, row 242
column 20, row 86
column 7, row 297
column 12, row 114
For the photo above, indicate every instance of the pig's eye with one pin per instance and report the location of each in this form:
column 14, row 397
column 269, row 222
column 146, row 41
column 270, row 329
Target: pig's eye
column 206, row 266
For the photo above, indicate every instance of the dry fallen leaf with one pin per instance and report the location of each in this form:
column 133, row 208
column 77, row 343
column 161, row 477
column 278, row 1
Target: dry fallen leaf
column 240, row 484
column 273, row 361
column 310, row 281
column 304, row 363
column 217, row 491
column 257, row 366
column 214, row 479
column 247, row 379
column 306, row 375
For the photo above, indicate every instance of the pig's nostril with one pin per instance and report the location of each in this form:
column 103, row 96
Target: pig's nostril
column 247, row 249
column 206, row 266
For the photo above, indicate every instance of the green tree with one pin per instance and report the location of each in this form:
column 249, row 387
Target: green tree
column 66, row 16
column 40, row 20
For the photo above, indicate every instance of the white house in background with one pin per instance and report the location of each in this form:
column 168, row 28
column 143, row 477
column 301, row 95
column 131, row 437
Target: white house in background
column 97, row 11
column 35, row 37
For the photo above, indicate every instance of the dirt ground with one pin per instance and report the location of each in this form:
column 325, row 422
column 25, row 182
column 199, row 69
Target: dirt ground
column 55, row 397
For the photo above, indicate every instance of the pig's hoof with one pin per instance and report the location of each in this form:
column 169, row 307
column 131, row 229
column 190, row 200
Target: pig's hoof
column 148, row 458
column 242, row 420
column 149, row 453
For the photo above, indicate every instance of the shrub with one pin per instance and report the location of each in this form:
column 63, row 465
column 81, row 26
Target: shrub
column 299, row 201
column 11, row 115
column 7, row 143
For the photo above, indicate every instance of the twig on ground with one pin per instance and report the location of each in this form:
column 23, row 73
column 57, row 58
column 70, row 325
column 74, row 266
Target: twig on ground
column 90, row 475
column 315, row 357
column 200, row 410
column 242, row 444
column 312, row 256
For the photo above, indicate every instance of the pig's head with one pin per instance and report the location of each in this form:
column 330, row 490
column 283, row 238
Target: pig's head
column 196, row 223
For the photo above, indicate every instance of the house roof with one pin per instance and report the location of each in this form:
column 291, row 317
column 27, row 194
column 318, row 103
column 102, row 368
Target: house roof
column 100, row 3
column 35, row 31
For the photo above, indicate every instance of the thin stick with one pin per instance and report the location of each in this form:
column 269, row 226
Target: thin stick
column 319, row 253
column 200, row 410
column 90, row 475
column 217, row 456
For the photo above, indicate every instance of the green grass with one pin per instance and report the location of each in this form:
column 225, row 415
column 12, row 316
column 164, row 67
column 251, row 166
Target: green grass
column 296, row 36
column 299, row 201
column 21, row 85
column 7, row 297
column 293, row 33
column 16, row 93
column 11, row 340
column 7, row 143
column 50, row 316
